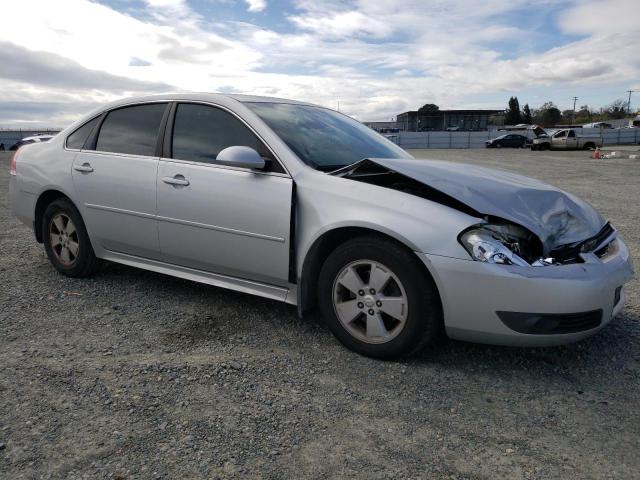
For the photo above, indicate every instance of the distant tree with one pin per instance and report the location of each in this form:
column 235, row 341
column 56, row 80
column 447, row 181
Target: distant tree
column 547, row 115
column 526, row 115
column 429, row 107
column 513, row 112
column 617, row 109
column 584, row 115
column 567, row 116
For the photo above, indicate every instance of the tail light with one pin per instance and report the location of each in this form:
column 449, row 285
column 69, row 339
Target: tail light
column 12, row 168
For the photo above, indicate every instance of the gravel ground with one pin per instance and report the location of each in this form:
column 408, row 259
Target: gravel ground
column 132, row 374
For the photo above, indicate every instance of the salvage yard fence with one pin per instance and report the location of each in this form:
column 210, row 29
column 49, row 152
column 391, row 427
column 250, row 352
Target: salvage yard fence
column 416, row 140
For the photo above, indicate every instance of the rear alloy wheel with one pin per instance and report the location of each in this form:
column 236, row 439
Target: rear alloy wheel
column 66, row 241
column 378, row 299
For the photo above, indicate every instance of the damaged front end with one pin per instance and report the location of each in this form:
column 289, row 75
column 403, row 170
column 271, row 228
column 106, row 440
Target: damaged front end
column 509, row 244
column 526, row 222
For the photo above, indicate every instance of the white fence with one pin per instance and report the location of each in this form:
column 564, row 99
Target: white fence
column 412, row 140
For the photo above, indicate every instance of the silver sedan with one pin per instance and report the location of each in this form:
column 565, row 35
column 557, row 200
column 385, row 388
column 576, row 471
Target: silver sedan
column 302, row 204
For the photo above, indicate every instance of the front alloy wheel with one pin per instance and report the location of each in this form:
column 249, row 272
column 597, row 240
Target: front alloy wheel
column 378, row 299
column 370, row 301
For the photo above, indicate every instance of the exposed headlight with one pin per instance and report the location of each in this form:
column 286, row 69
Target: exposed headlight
column 503, row 244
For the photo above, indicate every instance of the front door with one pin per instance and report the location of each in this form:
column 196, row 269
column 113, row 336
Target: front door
column 116, row 182
column 572, row 140
column 560, row 140
column 221, row 219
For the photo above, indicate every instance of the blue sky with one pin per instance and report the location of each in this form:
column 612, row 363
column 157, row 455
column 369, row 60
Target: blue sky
column 376, row 58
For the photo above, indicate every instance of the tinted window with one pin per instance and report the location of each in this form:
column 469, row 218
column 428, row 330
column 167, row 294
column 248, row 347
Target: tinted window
column 322, row 138
column 132, row 130
column 561, row 134
column 571, row 133
column 76, row 139
column 200, row 132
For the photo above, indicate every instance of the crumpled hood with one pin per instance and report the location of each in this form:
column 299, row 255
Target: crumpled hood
column 556, row 217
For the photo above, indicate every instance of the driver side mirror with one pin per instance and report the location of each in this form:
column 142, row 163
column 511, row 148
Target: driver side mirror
column 242, row 157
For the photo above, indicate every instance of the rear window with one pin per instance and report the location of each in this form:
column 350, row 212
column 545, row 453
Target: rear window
column 132, row 130
column 77, row 139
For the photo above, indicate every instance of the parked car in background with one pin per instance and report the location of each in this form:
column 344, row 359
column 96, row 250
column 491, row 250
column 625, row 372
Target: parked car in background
column 305, row 205
column 31, row 139
column 566, row 139
column 512, row 140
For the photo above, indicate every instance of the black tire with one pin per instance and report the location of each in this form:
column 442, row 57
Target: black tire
column 85, row 262
column 424, row 316
column 589, row 146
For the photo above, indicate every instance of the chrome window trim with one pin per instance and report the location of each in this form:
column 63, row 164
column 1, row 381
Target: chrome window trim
column 251, row 129
column 66, row 139
column 223, row 167
column 286, row 173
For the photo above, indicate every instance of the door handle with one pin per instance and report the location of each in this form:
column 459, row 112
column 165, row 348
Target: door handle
column 177, row 180
column 85, row 168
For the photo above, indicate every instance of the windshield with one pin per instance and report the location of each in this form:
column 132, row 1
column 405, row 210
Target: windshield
column 324, row 139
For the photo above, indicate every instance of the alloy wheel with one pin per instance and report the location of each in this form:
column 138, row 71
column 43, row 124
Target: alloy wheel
column 370, row 301
column 64, row 239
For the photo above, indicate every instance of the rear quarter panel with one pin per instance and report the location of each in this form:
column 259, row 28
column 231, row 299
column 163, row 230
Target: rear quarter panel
column 40, row 167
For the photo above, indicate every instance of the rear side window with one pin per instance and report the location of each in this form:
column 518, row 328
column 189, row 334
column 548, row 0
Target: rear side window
column 571, row 133
column 200, row 132
column 132, row 130
column 76, row 139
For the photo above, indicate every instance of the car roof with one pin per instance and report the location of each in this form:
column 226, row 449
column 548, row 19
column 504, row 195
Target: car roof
column 201, row 96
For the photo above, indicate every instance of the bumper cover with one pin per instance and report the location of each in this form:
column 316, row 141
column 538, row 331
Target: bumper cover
column 473, row 293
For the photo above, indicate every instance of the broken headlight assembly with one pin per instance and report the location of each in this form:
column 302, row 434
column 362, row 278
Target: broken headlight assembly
column 503, row 244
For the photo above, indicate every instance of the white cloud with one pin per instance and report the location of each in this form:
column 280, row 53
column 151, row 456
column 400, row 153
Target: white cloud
column 256, row 5
column 376, row 58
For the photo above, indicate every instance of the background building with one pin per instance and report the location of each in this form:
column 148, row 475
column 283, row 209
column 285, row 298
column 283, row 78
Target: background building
column 467, row 120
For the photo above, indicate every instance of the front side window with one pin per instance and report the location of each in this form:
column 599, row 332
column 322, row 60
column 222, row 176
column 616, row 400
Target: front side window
column 132, row 130
column 200, row 132
column 561, row 134
column 77, row 139
column 324, row 139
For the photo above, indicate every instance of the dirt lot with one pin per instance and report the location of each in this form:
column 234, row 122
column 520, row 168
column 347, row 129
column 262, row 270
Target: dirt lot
column 137, row 375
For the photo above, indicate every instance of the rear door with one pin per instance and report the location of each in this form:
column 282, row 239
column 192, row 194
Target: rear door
column 216, row 218
column 115, row 179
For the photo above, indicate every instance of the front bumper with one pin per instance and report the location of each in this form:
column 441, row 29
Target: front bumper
column 473, row 293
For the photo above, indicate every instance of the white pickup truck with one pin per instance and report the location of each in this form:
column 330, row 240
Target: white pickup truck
column 566, row 139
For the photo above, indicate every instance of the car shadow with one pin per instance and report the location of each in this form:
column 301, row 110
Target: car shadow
column 218, row 314
column 614, row 348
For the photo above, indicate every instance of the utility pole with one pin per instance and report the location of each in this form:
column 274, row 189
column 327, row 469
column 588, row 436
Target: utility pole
column 629, row 103
column 573, row 118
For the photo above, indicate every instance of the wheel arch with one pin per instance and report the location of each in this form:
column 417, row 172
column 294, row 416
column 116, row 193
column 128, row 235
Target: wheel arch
column 44, row 200
column 326, row 243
